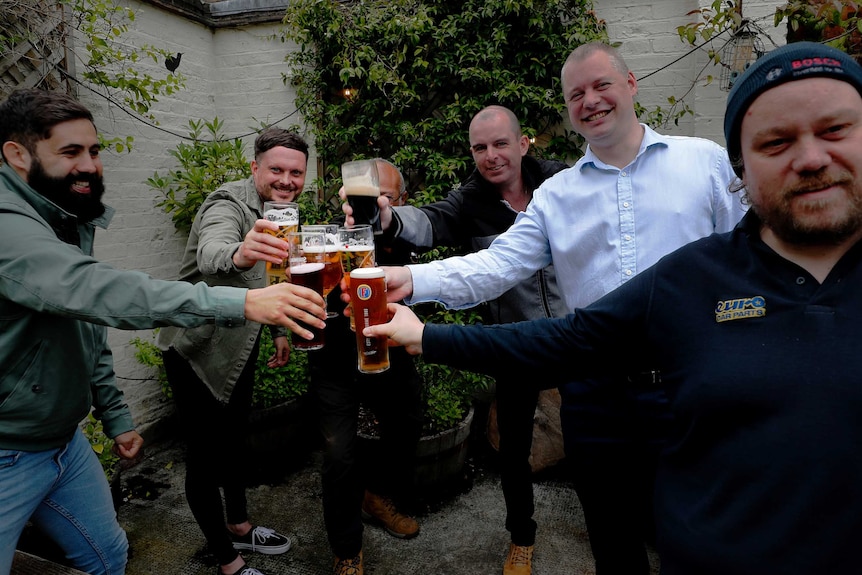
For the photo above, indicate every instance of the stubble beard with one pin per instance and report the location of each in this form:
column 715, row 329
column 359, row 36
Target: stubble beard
column 805, row 225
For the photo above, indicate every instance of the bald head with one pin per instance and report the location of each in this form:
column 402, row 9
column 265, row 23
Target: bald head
column 497, row 114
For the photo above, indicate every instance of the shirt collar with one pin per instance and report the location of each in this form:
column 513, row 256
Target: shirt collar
column 651, row 139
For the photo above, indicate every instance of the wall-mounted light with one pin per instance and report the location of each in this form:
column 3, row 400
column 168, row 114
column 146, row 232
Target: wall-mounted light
column 348, row 93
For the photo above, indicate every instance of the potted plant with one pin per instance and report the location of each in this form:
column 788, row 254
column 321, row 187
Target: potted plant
column 448, row 396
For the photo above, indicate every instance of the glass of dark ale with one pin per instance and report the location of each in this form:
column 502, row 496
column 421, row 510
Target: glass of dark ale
column 305, row 268
column 368, row 298
column 362, row 188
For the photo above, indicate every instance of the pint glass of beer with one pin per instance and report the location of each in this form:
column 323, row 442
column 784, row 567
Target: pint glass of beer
column 362, row 188
column 305, row 268
column 368, row 298
column 357, row 251
column 286, row 215
column 332, row 273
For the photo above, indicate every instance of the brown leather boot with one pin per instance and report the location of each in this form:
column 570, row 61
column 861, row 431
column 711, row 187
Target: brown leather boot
column 382, row 510
column 350, row 566
column 519, row 561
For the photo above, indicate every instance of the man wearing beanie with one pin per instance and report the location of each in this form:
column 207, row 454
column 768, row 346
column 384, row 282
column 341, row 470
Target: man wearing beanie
column 755, row 331
column 635, row 196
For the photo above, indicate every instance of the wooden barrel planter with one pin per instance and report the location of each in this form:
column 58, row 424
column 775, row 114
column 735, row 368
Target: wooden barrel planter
column 440, row 457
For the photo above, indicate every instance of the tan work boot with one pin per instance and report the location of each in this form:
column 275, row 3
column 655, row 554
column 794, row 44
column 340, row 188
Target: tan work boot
column 519, row 560
column 351, row 566
column 382, row 510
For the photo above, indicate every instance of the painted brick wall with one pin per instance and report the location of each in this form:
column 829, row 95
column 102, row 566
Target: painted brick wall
column 236, row 75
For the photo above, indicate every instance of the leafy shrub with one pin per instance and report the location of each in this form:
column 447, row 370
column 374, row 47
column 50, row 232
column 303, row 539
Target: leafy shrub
column 101, row 444
column 205, row 164
column 271, row 385
column 275, row 385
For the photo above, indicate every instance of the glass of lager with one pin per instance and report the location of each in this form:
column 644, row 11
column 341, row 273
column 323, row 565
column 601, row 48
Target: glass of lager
column 362, row 188
column 357, row 251
column 331, row 258
column 368, row 298
column 286, row 215
column 305, row 268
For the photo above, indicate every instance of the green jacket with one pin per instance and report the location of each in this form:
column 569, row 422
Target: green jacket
column 219, row 355
column 55, row 301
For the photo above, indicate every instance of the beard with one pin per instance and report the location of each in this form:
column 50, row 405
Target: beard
column 86, row 207
column 809, row 224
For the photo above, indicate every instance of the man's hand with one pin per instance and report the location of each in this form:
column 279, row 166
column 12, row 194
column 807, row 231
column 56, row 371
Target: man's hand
column 284, row 304
column 259, row 245
column 399, row 284
column 281, row 357
column 404, row 328
column 128, row 444
column 382, row 203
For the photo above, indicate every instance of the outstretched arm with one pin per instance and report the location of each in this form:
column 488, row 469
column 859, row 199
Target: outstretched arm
column 403, row 328
column 285, row 304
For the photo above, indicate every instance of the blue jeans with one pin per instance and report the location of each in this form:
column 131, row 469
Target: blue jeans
column 64, row 493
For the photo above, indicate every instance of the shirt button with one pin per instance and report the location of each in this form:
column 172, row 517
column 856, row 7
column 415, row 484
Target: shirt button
column 623, row 174
column 625, row 204
column 36, row 388
column 628, row 272
column 627, row 238
column 800, row 280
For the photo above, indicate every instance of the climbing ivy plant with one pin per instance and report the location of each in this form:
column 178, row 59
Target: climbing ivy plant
column 401, row 79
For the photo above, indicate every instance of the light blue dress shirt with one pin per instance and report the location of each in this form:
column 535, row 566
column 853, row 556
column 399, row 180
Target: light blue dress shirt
column 600, row 225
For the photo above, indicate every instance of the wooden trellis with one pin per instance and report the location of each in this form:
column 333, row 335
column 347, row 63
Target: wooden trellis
column 34, row 46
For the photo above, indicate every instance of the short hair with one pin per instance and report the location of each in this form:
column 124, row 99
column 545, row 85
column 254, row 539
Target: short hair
column 584, row 51
column 28, row 116
column 494, row 110
column 273, row 137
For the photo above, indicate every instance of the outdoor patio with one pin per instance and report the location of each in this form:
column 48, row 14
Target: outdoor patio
column 462, row 527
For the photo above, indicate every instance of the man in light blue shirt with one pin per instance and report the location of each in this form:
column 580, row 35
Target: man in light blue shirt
column 634, row 197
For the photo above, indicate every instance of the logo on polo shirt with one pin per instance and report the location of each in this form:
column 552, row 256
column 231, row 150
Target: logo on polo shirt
column 740, row 308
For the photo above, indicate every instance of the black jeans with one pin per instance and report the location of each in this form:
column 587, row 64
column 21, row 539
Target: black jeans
column 516, row 408
column 614, row 483
column 614, row 429
column 395, row 398
column 215, row 449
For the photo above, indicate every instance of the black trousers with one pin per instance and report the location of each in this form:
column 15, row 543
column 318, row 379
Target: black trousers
column 613, row 431
column 215, row 449
column 516, row 408
column 395, row 398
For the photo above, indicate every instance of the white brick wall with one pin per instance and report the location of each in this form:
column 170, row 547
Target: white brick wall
column 235, row 74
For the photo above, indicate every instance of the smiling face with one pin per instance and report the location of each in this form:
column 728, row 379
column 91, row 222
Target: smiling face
column 66, row 168
column 279, row 174
column 801, row 146
column 599, row 97
column 497, row 148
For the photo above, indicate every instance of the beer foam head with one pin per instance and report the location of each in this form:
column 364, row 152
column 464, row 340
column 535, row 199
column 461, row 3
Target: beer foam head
column 367, row 273
column 305, row 267
column 361, row 186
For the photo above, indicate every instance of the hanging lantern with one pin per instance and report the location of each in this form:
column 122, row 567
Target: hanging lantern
column 743, row 49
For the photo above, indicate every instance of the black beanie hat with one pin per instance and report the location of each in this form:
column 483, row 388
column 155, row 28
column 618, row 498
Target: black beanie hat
column 795, row 61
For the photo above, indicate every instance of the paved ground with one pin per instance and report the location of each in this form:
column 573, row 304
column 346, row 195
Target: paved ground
column 462, row 528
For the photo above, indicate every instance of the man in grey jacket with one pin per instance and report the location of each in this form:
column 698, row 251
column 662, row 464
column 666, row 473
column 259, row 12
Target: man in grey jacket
column 55, row 301
column 210, row 368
